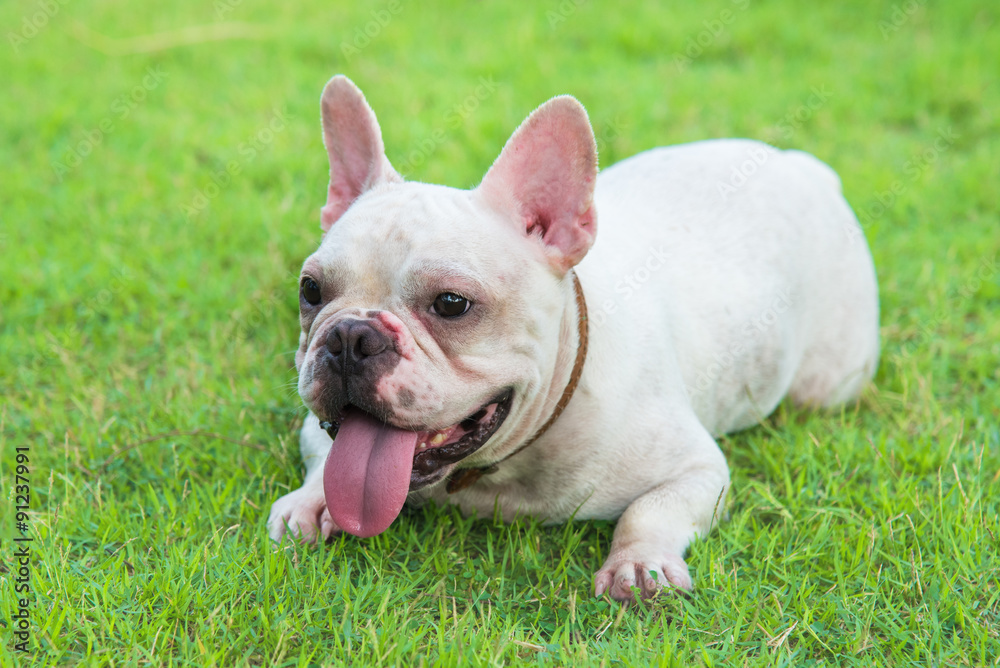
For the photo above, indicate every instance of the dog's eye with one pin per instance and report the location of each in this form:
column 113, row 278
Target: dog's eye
column 450, row 305
column 310, row 291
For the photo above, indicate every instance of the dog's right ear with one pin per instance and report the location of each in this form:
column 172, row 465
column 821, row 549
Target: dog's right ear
column 354, row 145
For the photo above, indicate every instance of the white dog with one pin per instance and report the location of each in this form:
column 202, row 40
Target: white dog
column 446, row 343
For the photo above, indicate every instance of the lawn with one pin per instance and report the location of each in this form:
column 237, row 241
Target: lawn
column 162, row 178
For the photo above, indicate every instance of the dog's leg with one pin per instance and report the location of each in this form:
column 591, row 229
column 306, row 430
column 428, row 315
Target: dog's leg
column 649, row 542
column 304, row 512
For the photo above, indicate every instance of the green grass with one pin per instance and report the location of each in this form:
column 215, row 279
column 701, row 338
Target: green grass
column 127, row 321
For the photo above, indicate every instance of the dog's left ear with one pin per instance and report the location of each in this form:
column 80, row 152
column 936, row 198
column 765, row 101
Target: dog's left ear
column 354, row 145
column 546, row 172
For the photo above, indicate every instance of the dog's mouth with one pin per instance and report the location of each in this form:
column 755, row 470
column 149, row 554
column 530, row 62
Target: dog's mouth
column 373, row 465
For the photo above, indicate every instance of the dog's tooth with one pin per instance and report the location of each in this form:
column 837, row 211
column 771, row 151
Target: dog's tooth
column 422, row 446
column 438, row 439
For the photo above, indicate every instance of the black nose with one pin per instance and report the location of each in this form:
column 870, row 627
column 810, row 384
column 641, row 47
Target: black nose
column 352, row 342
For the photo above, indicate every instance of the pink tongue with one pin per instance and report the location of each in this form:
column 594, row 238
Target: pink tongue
column 367, row 474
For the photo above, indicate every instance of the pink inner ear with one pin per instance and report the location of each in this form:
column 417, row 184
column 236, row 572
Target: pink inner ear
column 547, row 173
column 354, row 146
column 572, row 236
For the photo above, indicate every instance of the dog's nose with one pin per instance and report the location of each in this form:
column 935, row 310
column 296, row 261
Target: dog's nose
column 351, row 342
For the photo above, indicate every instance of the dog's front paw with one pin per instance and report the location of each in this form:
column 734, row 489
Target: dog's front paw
column 649, row 570
column 303, row 514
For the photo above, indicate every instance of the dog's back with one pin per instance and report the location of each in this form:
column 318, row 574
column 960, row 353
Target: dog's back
column 753, row 262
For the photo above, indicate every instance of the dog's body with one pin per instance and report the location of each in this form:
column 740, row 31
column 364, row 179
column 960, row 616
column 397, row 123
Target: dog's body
column 710, row 298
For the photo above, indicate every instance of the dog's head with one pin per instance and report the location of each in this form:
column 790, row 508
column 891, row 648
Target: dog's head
column 432, row 317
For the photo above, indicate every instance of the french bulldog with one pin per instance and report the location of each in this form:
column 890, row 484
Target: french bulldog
column 487, row 348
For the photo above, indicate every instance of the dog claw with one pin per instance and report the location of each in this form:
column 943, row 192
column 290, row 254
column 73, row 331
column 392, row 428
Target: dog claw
column 623, row 574
column 301, row 514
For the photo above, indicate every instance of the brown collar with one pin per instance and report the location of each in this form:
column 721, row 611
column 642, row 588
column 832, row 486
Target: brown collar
column 464, row 477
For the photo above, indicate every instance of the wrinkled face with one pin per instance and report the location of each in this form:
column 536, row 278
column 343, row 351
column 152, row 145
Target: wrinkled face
column 432, row 317
column 430, row 312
